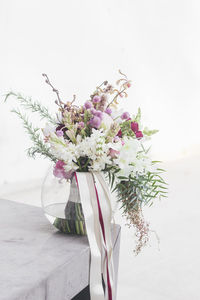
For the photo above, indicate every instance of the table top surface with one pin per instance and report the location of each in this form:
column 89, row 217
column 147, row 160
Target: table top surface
column 31, row 250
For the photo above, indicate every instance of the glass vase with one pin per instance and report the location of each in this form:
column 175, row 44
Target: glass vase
column 61, row 204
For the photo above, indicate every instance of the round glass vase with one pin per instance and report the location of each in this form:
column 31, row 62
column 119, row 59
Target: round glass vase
column 61, row 204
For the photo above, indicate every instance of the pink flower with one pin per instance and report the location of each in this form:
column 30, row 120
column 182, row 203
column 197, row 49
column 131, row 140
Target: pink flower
column 88, row 104
column 108, row 111
column 96, row 99
column 59, row 170
column 138, row 134
column 125, row 116
column 95, row 122
column 59, row 132
column 128, row 84
column 81, row 124
column 134, row 126
column 113, row 153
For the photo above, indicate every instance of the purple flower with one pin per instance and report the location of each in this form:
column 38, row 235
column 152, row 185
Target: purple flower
column 99, row 114
column 88, row 104
column 81, row 124
column 59, row 132
column 125, row 116
column 108, row 111
column 95, row 122
column 93, row 110
column 96, row 99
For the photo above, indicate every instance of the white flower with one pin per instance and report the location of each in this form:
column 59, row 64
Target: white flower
column 49, row 128
column 107, row 121
column 132, row 159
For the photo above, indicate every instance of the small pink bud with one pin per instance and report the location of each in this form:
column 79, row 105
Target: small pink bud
column 59, row 133
column 113, row 153
column 108, row 111
column 88, row 104
column 81, row 124
column 125, row 116
column 128, row 84
column 96, row 99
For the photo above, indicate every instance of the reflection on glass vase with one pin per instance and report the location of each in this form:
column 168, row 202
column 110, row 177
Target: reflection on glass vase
column 61, row 204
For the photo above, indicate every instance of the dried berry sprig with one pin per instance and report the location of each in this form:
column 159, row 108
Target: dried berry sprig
column 136, row 219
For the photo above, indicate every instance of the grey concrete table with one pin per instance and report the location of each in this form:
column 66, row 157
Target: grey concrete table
column 39, row 263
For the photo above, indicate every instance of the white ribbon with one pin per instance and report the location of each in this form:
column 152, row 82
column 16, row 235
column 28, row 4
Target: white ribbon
column 96, row 288
column 92, row 188
column 106, row 208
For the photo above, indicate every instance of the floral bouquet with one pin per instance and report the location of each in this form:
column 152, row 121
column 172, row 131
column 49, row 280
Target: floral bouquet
column 98, row 137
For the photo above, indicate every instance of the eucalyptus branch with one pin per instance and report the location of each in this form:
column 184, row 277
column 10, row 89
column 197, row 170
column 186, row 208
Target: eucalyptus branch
column 39, row 145
column 33, row 106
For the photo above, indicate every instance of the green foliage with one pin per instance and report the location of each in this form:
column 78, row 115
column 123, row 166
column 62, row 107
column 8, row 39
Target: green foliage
column 148, row 132
column 87, row 117
column 31, row 105
column 39, row 146
column 139, row 190
column 126, row 129
column 138, row 116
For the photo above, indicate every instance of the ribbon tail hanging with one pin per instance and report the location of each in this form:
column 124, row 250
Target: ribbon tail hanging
column 105, row 207
column 96, row 204
column 96, row 288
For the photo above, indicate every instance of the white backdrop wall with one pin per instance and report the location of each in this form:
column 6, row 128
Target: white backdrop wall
column 81, row 43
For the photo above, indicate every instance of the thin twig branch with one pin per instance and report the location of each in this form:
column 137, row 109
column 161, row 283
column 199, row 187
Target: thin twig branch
column 54, row 90
column 120, row 92
column 120, row 72
column 74, row 98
